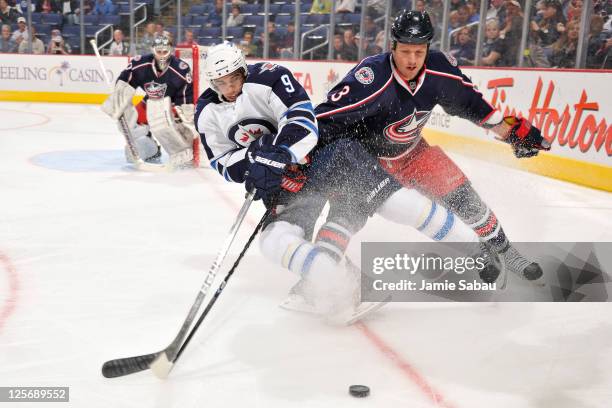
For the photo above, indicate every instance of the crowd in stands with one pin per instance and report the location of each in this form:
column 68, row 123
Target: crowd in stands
column 553, row 28
column 552, row 40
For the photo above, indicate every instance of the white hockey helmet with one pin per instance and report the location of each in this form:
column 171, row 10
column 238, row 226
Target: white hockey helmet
column 222, row 60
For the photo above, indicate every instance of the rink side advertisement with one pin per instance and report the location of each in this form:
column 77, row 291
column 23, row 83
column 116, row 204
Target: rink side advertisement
column 572, row 108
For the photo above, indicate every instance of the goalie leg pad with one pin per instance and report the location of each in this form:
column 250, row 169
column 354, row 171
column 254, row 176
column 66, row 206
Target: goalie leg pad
column 165, row 129
column 148, row 149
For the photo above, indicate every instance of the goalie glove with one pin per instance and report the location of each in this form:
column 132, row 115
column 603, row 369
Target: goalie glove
column 186, row 114
column 526, row 139
column 117, row 102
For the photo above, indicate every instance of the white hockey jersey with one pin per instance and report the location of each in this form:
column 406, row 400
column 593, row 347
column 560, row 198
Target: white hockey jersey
column 272, row 102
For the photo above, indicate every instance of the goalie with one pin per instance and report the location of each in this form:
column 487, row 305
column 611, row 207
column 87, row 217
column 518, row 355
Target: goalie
column 165, row 115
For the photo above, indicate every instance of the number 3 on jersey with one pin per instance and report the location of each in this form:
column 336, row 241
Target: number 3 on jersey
column 335, row 97
column 287, row 82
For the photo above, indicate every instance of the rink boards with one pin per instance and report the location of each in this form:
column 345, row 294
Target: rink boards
column 572, row 107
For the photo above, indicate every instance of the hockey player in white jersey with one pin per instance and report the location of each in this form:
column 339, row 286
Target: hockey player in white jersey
column 165, row 116
column 257, row 125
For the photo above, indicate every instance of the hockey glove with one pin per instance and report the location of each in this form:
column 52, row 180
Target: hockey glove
column 119, row 100
column 266, row 171
column 526, row 139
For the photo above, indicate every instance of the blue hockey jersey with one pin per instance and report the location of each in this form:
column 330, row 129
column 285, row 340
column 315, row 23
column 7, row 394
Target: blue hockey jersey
column 272, row 103
column 387, row 113
column 175, row 81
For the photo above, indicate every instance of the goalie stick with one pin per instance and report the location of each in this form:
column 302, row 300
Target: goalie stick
column 125, row 129
column 162, row 361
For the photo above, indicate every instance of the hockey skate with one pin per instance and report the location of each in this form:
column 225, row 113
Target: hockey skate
column 493, row 270
column 499, row 263
column 147, row 147
column 299, row 301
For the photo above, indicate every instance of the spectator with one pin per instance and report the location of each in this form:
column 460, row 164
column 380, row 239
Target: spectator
column 463, row 50
column 215, row 19
column 455, row 4
column 147, row 39
column 511, row 33
column 380, row 41
column 69, row 10
column 159, row 28
column 419, row 5
column 103, row 7
column 498, row 11
column 345, row 6
column 534, row 54
column 338, row 42
column 7, row 45
column 466, row 15
column 321, row 7
column 235, row 19
column 552, row 24
column 286, row 43
column 188, row 39
column 48, row 6
column 119, row 46
column 368, row 47
column 349, row 48
column 56, row 44
column 564, row 49
column 22, row 7
column 596, row 42
column 273, row 40
column 21, row 33
column 37, row 45
column 574, row 10
column 8, row 15
column 473, row 11
column 370, row 28
column 453, row 21
column 493, row 47
column 247, row 45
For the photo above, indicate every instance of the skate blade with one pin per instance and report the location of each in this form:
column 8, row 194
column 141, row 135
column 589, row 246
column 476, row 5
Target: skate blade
column 296, row 303
column 364, row 310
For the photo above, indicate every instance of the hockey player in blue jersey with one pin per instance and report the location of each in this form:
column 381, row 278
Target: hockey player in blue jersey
column 385, row 101
column 257, row 125
column 165, row 115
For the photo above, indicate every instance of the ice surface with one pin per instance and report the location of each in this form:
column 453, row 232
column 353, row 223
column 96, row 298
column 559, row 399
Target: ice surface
column 98, row 261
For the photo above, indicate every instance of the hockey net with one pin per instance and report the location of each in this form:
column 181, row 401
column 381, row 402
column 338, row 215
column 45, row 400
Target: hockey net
column 194, row 56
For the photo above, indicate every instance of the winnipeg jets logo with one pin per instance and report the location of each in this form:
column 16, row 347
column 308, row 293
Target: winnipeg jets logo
column 406, row 130
column 155, row 90
column 246, row 131
column 365, row 75
column 248, row 135
column 268, row 66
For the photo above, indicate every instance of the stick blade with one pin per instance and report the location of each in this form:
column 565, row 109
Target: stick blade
column 125, row 366
column 161, row 366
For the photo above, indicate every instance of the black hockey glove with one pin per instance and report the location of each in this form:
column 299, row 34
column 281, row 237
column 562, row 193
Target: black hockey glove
column 266, row 171
column 526, row 139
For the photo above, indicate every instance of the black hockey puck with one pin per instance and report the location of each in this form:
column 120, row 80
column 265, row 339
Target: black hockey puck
column 359, row 391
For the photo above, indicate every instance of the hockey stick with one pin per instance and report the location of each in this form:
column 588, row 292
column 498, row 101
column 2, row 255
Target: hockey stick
column 162, row 359
column 125, row 129
column 222, row 285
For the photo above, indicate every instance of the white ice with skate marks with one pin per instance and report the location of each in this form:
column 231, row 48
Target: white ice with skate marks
column 109, row 261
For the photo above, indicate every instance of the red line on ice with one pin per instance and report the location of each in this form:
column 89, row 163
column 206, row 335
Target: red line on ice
column 9, row 304
column 411, row 372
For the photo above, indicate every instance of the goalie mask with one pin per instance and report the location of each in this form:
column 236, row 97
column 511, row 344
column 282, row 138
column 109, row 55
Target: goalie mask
column 222, row 60
column 162, row 49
